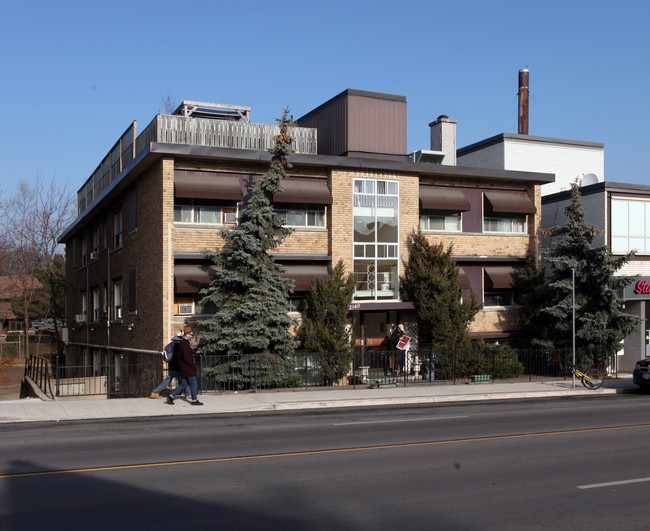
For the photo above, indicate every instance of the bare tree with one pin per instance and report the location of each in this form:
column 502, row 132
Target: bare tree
column 34, row 217
column 168, row 103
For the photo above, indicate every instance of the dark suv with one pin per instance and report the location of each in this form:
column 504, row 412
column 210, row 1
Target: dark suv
column 641, row 374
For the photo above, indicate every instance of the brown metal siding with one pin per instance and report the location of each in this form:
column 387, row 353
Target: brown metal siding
column 330, row 122
column 376, row 125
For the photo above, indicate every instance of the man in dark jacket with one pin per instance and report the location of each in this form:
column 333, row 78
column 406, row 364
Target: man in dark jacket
column 186, row 368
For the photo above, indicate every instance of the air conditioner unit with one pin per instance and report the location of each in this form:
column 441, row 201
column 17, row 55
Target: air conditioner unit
column 80, row 317
column 230, row 218
column 94, row 255
column 185, row 309
column 118, row 312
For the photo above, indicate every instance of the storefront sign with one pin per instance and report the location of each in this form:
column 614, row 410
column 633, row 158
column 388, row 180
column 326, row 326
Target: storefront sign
column 642, row 287
column 638, row 290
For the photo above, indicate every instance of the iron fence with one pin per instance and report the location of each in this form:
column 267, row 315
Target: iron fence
column 136, row 374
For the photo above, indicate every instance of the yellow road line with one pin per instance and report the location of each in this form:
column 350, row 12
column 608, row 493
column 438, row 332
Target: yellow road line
column 317, row 452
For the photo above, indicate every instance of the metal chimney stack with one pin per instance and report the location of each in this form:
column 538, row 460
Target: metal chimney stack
column 523, row 101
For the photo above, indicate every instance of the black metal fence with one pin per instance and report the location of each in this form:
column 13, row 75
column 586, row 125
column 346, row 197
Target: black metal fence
column 136, row 374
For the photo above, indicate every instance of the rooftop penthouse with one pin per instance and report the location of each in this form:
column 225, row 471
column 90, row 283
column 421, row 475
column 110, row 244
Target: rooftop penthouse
column 192, row 123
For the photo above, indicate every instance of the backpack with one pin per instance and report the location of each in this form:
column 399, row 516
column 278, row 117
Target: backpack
column 170, row 351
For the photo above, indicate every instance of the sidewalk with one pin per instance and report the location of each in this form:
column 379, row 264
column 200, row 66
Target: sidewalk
column 33, row 409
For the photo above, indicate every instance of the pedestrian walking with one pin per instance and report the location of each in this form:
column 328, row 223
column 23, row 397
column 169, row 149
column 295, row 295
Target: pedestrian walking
column 172, row 368
column 398, row 354
column 187, row 368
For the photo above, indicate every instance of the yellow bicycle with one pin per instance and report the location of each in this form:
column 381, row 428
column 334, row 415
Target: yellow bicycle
column 591, row 378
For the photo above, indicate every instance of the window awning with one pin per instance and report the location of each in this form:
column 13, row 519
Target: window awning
column 500, row 277
column 193, row 278
column 207, row 185
column 304, row 191
column 510, row 202
column 463, row 281
column 440, row 198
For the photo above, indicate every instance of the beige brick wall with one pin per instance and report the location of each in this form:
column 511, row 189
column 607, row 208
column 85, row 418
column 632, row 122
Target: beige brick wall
column 497, row 320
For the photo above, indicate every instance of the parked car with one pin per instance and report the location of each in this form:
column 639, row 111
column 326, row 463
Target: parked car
column 641, row 374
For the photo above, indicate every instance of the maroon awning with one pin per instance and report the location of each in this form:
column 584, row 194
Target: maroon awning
column 463, row 281
column 193, row 278
column 510, row 202
column 441, row 198
column 304, row 191
column 500, row 277
column 207, row 185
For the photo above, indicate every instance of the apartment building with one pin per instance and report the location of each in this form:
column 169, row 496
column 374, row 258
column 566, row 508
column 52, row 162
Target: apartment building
column 134, row 254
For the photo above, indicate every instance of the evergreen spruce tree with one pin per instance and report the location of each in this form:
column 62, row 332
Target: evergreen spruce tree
column 601, row 323
column 531, row 295
column 249, row 293
column 430, row 280
column 325, row 327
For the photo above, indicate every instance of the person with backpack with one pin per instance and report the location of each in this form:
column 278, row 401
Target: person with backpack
column 187, row 369
column 170, row 355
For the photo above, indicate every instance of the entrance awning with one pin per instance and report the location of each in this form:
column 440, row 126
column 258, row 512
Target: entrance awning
column 510, row 202
column 440, row 198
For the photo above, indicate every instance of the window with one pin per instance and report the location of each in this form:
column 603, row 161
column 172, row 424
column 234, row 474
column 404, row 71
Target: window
column 84, row 250
column 440, row 220
column 302, row 215
column 498, row 286
column 117, row 299
column 630, row 225
column 205, row 211
column 96, row 309
column 506, row 211
column 376, row 239
column 117, row 229
column 84, row 304
column 513, row 223
column 497, row 298
column 96, row 239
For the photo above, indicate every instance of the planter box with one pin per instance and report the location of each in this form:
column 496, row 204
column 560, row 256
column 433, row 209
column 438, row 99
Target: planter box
column 387, row 382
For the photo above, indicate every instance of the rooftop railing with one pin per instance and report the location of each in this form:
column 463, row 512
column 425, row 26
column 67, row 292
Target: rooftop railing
column 171, row 129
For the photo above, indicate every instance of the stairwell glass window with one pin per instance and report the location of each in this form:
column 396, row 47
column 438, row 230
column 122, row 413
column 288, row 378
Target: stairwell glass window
column 630, row 226
column 376, row 239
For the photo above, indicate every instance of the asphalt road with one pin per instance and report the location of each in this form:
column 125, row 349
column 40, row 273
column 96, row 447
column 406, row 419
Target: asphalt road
column 560, row 464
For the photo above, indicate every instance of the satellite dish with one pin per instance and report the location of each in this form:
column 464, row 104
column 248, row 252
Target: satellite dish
column 589, row 178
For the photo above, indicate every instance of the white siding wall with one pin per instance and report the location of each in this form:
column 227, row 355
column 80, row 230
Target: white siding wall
column 567, row 162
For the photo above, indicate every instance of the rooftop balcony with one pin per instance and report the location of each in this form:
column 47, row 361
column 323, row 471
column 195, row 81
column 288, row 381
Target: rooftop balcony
column 190, row 130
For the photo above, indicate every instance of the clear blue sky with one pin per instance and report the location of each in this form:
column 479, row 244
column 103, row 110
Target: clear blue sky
column 75, row 74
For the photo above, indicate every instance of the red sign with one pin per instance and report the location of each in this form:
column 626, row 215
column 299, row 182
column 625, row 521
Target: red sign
column 642, row 287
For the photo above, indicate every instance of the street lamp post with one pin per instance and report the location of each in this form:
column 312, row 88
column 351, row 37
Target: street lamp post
column 573, row 334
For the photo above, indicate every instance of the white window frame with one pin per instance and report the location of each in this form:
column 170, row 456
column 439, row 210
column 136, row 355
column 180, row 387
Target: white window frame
column 622, row 242
column 224, row 209
column 431, row 213
column 510, row 218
